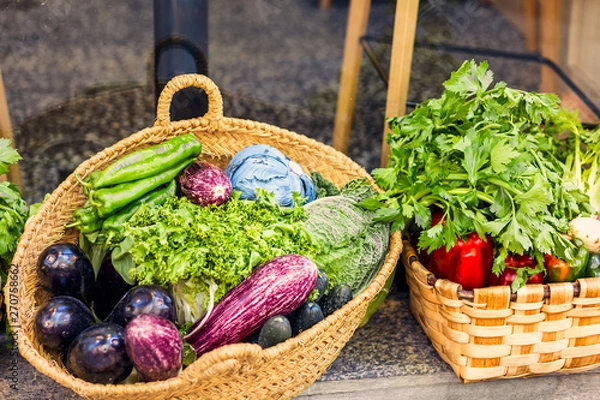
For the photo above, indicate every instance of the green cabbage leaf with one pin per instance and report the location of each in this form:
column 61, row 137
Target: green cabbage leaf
column 352, row 241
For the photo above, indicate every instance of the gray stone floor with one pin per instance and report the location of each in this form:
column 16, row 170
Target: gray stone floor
column 389, row 358
column 78, row 79
column 79, row 73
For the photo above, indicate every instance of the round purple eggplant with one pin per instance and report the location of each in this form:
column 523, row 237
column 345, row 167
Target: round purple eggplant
column 64, row 269
column 155, row 347
column 203, row 184
column 61, row 320
column 110, row 288
column 143, row 299
column 98, row 355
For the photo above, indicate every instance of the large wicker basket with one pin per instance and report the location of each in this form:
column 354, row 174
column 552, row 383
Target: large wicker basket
column 235, row 371
column 490, row 333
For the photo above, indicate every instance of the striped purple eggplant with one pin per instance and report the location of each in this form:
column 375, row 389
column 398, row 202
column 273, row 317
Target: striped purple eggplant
column 277, row 287
column 204, row 184
column 155, row 347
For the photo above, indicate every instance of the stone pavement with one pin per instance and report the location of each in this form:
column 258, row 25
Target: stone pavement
column 389, row 358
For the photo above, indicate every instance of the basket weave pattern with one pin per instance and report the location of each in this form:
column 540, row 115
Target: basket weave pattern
column 543, row 329
column 235, row 371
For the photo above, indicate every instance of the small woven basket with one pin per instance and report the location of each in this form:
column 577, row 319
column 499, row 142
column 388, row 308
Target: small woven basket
column 235, row 371
column 490, row 333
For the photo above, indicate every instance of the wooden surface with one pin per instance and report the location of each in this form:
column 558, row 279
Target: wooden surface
column 550, row 42
column 405, row 25
column 531, row 18
column 446, row 386
column 324, row 4
column 14, row 175
column 358, row 18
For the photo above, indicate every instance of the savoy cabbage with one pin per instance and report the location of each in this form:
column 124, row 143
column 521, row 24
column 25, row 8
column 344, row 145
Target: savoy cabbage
column 352, row 243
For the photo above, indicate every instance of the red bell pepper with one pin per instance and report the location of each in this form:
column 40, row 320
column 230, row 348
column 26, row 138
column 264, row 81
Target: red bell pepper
column 468, row 262
column 512, row 262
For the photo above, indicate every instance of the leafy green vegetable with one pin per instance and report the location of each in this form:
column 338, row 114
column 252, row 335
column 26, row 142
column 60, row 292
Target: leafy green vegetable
column 324, row 187
column 14, row 211
column 8, row 155
column 352, row 244
column 482, row 154
column 206, row 251
column 359, row 189
column 578, row 154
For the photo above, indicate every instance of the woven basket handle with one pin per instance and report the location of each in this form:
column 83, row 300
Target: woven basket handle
column 179, row 82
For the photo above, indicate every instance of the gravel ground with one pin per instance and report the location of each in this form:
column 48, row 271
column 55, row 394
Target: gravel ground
column 78, row 75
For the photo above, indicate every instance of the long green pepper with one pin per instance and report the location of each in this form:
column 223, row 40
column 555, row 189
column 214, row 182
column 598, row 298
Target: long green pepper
column 147, row 162
column 91, row 226
column 86, row 219
column 110, row 200
column 114, row 224
column 86, row 214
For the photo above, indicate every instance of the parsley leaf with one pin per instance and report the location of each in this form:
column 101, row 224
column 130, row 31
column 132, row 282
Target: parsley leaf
column 501, row 155
column 14, row 212
column 13, row 209
column 8, row 155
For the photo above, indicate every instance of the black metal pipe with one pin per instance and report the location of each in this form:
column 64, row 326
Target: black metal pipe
column 181, row 47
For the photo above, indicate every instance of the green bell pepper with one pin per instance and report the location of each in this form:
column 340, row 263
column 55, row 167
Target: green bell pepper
column 561, row 271
column 593, row 268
